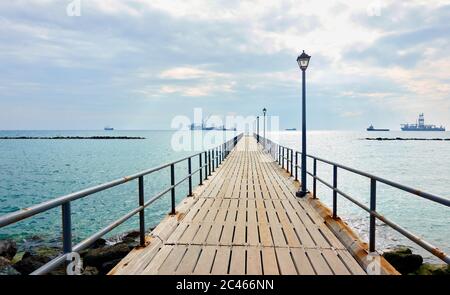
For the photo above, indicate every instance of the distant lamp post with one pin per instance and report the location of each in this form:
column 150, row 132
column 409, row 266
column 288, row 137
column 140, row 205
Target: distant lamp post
column 264, row 112
column 257, row 129
column 303, row 62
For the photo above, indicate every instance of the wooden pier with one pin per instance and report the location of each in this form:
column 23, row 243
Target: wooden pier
column 245, row 219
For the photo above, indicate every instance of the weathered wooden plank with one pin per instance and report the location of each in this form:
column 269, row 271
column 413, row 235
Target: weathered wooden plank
column 153, row 267
column 202, row 233
column 238, row 261
column 189, row 261
column 302, row 263
column 269, row 261
column 173, row 260
column 334, row 262
column 318, row 262
column 221, row 261
column 254, row 266
column 285, row 262
column 205, row 261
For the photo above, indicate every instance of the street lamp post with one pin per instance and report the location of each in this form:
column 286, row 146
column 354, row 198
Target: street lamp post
column 303, row 62
column 264, row 112
column 257, row 129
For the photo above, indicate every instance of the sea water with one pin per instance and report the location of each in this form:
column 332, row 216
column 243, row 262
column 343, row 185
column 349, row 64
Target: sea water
column 33, row 171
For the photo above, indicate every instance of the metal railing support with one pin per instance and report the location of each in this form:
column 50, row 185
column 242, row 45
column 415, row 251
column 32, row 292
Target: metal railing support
column 172, row 191
column 209, row 163
column 206, row 165
column 141, row 213
column 314, row 179
column 334, row 191
column 190, row 176
column 296, row 166
column 292, row 162
column 373, row 204
column 200, row 169
column 67, row 227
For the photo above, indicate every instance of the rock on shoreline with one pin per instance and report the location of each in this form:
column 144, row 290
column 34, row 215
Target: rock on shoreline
column 407, row 263
column 98, row 259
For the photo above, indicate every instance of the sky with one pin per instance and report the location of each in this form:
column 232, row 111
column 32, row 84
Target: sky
column 137, row 64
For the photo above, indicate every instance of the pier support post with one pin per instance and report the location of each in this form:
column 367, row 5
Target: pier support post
column 209, row 163
column 314, row 179
column 67, row 227
column 279, row 155
column 190, row 176
column 172, row 191
column 292, row 162
column 200, row 168
column 334, row 191
column 213, row 160
column 206, row 165
column 373, row 204
column 141, row 213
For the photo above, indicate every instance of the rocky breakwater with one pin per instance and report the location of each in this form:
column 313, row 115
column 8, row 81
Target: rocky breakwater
column 407, row 263
column 99, row 259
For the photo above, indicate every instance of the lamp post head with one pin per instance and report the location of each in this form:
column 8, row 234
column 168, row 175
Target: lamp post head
column 264, row 111
column 303, row 61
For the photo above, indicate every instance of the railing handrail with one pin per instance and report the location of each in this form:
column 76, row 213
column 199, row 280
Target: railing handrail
column 278, row 153
column 213, row 157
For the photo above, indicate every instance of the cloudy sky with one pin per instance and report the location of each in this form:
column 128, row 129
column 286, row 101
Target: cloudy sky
column 136, row 64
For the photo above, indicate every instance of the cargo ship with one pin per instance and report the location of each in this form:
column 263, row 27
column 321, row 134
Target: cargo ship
column 421, row 126
column 107, row 128
column 371, row 128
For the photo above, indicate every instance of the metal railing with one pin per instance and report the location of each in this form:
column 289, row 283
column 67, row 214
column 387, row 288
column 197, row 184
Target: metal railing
column 208, row 161
column 286, row 159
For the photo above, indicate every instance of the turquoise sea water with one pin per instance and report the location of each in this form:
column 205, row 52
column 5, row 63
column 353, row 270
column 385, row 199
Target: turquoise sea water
column 32, row 171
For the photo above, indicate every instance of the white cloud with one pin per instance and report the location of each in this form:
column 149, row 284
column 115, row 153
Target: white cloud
column 188, row 73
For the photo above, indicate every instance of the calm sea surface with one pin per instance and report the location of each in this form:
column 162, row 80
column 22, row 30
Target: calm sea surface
column 32, row 171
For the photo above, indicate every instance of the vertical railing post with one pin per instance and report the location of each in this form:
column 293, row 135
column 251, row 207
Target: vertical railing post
column 373, row 205
column 279, row 155
column 314, row 179
column 172, row 182
column 200, row 168
column 292, row 162
column 209, row 163
column 213, row 160
column 217, row 157
column 296, row 165
column 141, row 213
column 334, row 191
column 190, row 176
column 206, row 165
column 282, row 158
column 67, row 227
column 287, row 160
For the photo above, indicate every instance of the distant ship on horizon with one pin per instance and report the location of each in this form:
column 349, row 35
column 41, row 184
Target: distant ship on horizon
column 204, row 127
column 291, row 129
column 421, row 126
column 371, row 128
column 107, row 128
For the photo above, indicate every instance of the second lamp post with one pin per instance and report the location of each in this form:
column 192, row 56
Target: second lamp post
column 303, row 61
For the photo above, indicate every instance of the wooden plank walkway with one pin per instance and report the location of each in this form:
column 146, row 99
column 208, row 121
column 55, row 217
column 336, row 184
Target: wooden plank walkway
column 244, row 220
